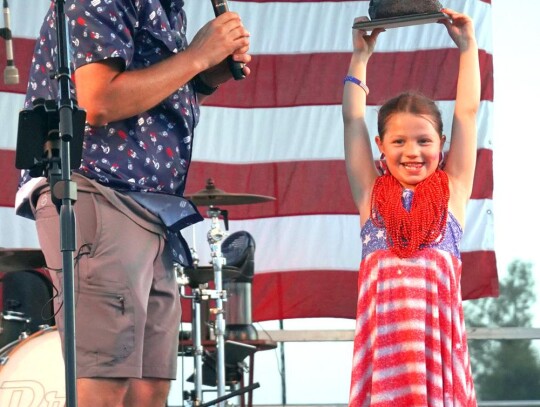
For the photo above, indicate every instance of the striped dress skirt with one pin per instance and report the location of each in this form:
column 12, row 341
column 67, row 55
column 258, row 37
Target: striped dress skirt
column 410, row 346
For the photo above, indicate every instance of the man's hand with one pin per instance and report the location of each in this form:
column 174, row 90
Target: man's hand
column 214, row 42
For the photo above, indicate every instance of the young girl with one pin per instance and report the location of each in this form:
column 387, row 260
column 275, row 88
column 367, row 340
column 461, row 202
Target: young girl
column 410, row 347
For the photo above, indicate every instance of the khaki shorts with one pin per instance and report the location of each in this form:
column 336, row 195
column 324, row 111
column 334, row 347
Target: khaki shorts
column 126, row 297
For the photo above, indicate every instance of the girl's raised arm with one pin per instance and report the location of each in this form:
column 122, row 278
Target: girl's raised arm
column 361, row 168
column 461, row 162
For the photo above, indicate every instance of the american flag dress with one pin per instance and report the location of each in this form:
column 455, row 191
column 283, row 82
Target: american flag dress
column 410, row 346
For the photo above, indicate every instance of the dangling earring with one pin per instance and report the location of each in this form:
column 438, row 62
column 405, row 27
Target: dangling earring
column 441, row 160
column 381, row 165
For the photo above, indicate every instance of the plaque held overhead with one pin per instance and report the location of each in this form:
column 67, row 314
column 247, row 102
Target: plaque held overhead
column 400, row 13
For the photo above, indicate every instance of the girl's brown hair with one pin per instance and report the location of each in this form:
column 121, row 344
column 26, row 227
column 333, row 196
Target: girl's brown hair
column 410, row 102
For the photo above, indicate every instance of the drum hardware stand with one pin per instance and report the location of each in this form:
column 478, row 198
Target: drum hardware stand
column 234, row 393
column 12, row 316
column 202, row 293
column 60, row 124
column 15, row 316
column 215, row 236
column 198, row 294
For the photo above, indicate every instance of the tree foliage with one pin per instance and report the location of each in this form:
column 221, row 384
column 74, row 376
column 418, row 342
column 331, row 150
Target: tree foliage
column 505, row 369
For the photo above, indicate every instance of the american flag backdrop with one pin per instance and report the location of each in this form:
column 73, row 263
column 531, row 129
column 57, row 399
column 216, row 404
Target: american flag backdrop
column 279, row 133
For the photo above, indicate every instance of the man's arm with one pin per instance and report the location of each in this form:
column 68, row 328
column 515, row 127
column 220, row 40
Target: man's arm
column 108, row 92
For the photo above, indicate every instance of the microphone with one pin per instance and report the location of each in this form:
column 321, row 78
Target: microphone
column 11, row 73
column 220, row 7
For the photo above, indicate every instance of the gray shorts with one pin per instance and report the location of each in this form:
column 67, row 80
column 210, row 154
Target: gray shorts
column 126, row 297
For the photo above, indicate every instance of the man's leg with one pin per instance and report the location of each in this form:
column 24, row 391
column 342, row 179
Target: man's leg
column 147, row 393
column 122, row 392
column 101, row 392
column 110, row 296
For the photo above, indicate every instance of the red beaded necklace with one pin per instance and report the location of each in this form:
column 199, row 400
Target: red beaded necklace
column 424, row 224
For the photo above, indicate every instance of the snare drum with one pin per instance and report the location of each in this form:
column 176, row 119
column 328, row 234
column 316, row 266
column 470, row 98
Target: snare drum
column 32, row 371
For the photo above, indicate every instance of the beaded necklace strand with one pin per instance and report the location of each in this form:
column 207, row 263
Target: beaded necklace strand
column 424, row 224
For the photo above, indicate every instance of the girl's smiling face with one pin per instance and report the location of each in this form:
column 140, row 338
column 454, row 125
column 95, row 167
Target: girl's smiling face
column 412, row 147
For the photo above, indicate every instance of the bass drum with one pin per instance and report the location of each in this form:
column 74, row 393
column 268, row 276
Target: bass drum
column 32, row 371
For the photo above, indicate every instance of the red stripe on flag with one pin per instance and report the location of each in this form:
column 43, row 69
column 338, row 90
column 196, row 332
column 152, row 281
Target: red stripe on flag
column 314, row 293
column 296, row 185
column 317, row 78
column 302, row 187
column 308, row 1
column 291, row 1
column 479, row 276
column 9, row 178
column 483, row 176
column 304, row 294
column 299, row 294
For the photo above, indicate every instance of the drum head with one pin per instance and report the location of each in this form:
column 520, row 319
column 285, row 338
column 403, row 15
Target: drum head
column 32, row 372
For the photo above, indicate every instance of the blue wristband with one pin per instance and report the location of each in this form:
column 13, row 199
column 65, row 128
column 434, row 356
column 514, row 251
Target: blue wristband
column 356, row 81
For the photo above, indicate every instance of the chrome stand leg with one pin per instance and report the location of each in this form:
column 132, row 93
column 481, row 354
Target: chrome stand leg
column 215, row 237
column 197, row 347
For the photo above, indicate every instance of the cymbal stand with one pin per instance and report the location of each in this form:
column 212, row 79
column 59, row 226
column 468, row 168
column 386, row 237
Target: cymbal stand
column 215, row 237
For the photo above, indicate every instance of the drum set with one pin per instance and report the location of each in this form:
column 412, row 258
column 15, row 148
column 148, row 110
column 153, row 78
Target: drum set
column 31, row 364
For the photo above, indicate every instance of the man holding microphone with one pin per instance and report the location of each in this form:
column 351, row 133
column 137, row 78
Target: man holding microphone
column 141, row 84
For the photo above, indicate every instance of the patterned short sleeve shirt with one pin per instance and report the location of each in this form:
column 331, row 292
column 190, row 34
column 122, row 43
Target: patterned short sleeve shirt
column 147, row 152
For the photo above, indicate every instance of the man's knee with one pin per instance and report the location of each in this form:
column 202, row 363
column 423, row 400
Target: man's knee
column 147, row 392
column 98, row 392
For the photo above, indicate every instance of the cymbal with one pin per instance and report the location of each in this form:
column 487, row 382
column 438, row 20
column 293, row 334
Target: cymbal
column 212, row 196
column 21, row 259
column 202, row 275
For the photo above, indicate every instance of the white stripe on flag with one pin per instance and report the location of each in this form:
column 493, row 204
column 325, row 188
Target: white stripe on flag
column 321, row 26
column 297, row 133
column 324, row 242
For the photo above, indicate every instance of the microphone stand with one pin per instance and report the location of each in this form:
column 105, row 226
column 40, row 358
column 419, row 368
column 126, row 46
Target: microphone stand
column 66, row 191
column 55, row 124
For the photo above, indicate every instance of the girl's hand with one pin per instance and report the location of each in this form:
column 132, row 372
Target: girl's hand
column 460, row 27
column 364, row 43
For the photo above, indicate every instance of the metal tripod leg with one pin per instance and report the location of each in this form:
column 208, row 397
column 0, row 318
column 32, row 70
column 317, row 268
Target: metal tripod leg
column 220, row 334
column 197, row 346
column 196, row 332
column 215, row 237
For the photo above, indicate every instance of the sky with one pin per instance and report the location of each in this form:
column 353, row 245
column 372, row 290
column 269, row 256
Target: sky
column 325, row 367
column 516, row 137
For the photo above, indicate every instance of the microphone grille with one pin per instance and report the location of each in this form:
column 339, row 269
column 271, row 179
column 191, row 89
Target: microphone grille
column 11, row 75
